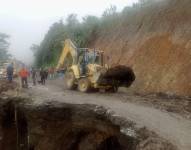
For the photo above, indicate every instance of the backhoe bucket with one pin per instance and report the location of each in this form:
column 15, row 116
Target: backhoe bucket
column 119, row 75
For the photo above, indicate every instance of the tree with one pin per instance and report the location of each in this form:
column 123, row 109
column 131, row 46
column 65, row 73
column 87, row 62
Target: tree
column 90, row 27
column 142, row 3
column 90, row 21
column 72, row 20
column 145, row 1
column 48, row 52
column 109, row 18
column 110, row 11
column 4, row 45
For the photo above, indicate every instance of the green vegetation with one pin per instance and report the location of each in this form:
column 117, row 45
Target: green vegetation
column 4, row 45
column 81, row 33
column 47, row 53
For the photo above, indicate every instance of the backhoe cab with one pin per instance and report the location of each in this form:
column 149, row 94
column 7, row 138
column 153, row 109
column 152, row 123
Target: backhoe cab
column 85, row 70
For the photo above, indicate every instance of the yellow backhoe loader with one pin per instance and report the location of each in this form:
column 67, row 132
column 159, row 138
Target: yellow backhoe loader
column 85, row 70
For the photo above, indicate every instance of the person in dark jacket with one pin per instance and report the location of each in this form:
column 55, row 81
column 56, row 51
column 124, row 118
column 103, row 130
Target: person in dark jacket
column 34, row 76
column 43, row 76
column 46, row 74
column 10, row 71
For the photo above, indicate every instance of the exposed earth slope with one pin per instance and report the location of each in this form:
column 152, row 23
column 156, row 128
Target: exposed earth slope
column 155, row 41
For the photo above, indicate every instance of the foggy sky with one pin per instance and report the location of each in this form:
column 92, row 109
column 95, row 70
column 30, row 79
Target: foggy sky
column 27, row 21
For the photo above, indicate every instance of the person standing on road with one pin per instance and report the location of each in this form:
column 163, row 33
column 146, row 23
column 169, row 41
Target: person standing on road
column 43, row 76
column 34, row 76
column 24, row 75
column 46, row 74
column 51, row 73
column 10, row 71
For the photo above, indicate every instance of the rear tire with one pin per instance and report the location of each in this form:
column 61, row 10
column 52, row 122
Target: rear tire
column 69, row 80
column 84, row 85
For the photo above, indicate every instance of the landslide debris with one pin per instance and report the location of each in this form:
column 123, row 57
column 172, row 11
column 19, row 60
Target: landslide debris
column 122, row 74
column 70, row 127
column 5, row 86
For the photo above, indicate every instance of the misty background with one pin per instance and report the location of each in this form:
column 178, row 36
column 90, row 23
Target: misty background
column 28, row 21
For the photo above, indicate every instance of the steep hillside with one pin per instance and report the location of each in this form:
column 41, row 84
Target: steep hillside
column 156, row 41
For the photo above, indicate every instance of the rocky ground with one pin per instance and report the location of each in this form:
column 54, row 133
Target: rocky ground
column 170, row 126
column 168, row 103
column 6, row 86
column 50, row 117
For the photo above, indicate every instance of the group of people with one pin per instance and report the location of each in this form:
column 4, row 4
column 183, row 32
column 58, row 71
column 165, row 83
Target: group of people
column 33, row 73
column 42, row 73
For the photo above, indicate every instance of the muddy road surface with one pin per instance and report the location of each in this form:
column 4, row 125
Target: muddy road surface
column 172, row 127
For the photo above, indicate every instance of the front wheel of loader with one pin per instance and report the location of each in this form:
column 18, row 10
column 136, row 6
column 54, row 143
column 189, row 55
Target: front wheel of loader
column 69, row 80
column 84, row 85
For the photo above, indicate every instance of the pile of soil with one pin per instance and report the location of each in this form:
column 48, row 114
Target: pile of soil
column 123, row 75
column 5, row 86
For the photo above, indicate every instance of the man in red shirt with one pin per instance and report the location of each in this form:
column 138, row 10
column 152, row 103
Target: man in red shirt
column 24, row 74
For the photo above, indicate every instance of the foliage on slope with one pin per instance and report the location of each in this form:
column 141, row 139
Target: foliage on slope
column 81, row 33
column 47, row 53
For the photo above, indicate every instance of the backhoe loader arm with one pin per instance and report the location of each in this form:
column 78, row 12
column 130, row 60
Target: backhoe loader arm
column 69, row 48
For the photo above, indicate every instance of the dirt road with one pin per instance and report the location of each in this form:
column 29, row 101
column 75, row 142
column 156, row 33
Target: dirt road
column 170, row 126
